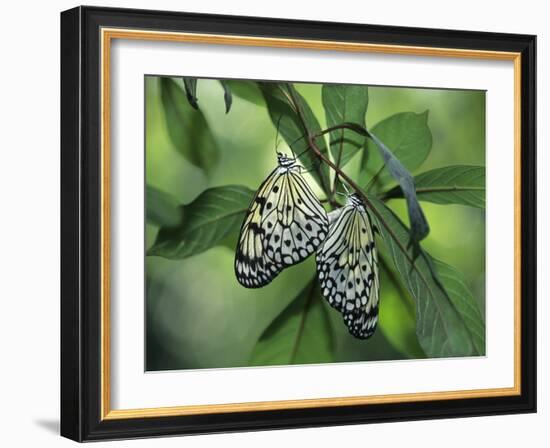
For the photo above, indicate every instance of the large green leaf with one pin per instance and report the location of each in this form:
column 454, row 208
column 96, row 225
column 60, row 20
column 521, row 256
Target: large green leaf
column 246, row 90
column 408, row 137
column 345, row 103
column 440, row 328
column 464, row 302
column 456, row 184
column 187, row 127
column 215, row 215
column 418, row 222
column 161, row 208
column 301, row 334
column 289, row 110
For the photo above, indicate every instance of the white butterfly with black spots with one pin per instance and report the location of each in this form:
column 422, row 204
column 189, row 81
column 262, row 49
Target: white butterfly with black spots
column 347, row 266
column 284, row 225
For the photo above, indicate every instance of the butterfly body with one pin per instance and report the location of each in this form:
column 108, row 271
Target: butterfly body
column 284, row 225
column 347, row 265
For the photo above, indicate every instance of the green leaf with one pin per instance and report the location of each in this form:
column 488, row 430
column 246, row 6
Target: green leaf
column 456, row 184
column 227, row 96
column 408, row 137
column 190, row 85
column 397, row 314
column 301, row 334
column 216, row 214
column 246, row 90
column 418, row 222
column 162, row 209
column 188, row 128
column 440, row 328
column 289, row 110
column 345, row 103
column 464, row 302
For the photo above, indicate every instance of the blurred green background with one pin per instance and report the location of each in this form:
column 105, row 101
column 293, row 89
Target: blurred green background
column 199, row 316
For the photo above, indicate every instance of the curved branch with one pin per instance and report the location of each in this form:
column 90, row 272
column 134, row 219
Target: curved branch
column 352, row 184
column 362, row 131
column 351, row 126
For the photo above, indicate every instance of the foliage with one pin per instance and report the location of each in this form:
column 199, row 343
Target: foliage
column 204, row 223
column 295, row 120
column 457, row 184
column 345, row 104
column 302, row 331
column 183, row 118
column 436, row 295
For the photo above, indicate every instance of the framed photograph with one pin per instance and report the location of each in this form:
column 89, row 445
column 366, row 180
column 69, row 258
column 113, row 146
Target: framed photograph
column 275, row 224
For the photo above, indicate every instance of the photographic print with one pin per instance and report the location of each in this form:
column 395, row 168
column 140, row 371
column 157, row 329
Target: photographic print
column 302, row 223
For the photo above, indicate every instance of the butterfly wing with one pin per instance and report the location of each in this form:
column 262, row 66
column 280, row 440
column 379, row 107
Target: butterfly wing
column 294, row 222
column 347, row 266
column 253, row 268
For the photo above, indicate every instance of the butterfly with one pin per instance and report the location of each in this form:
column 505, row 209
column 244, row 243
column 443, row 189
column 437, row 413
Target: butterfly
column 347, row 266
column 284, row 225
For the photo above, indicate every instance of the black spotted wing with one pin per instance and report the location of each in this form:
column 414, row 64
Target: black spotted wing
column 294, row 221
column 347, row 266
column 252, row 268
column 284, row 225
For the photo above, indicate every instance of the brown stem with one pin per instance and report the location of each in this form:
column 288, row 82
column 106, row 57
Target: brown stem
column 356, row 128
column 362, row 131
column 351, row 126
column 381, row 219
column 338, row 162
column 358, row 190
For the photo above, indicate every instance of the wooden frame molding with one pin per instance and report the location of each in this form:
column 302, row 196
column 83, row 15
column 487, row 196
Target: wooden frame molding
column 107, row 36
